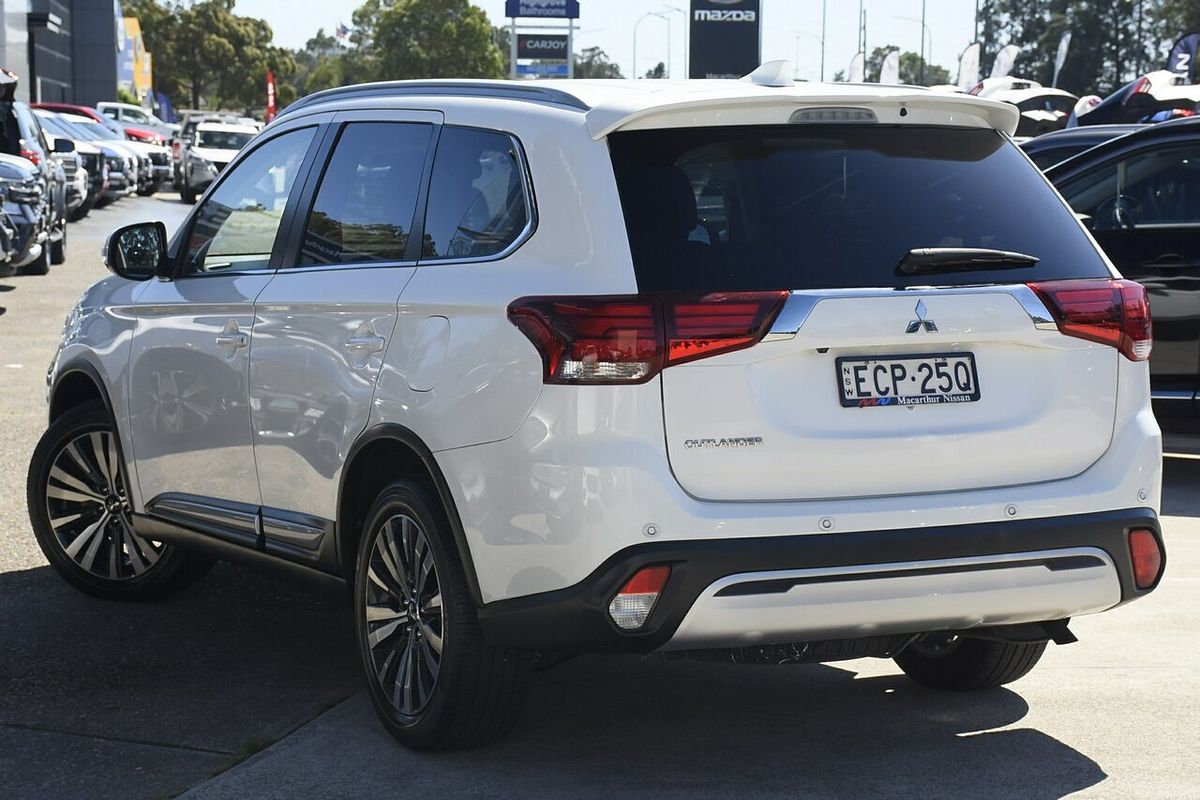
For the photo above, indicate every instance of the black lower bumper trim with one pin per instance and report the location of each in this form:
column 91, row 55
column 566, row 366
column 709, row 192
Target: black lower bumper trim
column 575, row 619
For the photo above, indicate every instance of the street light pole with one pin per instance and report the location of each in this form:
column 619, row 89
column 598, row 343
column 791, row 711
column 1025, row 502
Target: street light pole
column 635, row 33
column 923, row 29
column 686, row 66
column 824, row 8
column 924, row 32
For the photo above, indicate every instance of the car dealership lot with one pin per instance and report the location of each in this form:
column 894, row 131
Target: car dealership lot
column 111, row 700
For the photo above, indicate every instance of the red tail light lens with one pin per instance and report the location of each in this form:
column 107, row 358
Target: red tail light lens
column 1107, row 311
column 1146, row 556
column 31, row 155
column 629, row 339
column 1140, row 86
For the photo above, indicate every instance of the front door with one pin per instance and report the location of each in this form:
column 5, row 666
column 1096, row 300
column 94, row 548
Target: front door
column 189, row 363
column 327, row 316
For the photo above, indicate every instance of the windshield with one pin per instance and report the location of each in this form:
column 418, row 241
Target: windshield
column 93, row 129
column 833, row 206
column 223, row 140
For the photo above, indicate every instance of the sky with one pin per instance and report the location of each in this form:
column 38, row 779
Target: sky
column 790, row 28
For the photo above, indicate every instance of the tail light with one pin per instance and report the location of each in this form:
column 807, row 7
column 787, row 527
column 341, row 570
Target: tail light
column 31, row 155
column 1112, row 312
column 1146, row 556
column 1140, row 86
column 631, row 606
column 630, row 339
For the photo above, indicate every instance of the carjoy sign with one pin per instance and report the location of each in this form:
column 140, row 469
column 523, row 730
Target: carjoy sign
column 551, row 46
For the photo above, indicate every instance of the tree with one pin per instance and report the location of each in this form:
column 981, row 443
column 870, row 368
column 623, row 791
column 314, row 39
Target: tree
column 594, row 63
column 659, row 71
column 1110, row 43
column 211, row 56
column 429, row 39
column 910, row 68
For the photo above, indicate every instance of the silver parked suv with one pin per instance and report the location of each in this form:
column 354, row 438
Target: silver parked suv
column 788, row 372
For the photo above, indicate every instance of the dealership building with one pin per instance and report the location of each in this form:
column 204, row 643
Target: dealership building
column 66, row 51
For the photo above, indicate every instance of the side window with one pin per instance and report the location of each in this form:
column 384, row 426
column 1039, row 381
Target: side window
column 367, row 198
column 477, row 201
column 235, row 227
column 110, row 112
column 1157, row 187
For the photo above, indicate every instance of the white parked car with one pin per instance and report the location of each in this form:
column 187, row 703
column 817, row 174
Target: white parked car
column 212, row 146
column 793, row 373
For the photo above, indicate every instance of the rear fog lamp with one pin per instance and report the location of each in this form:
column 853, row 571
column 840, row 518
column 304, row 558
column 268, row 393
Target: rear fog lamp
column 1146, row 556
column 633, row 603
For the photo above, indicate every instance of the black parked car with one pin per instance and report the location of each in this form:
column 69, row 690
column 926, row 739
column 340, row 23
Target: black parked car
column 1140, row 197
column 21, row 135
column 1050, row 148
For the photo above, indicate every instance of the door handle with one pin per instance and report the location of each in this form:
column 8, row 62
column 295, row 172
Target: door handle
column 230, row 339
column 365, row 344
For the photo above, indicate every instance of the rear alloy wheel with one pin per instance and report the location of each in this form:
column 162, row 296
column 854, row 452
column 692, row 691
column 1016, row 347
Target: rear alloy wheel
column 434, row 682
column 81, row 514
column 950, row 661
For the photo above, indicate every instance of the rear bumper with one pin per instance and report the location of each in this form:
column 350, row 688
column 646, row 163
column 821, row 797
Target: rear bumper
column 774, row 590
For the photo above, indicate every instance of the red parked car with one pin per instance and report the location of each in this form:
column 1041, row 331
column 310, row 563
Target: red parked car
column 133, row 133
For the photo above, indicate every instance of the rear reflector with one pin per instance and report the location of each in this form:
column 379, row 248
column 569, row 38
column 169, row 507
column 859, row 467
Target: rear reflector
column 629, row 339
column 1111, row 312
column 1147, row 557
column 633, row 603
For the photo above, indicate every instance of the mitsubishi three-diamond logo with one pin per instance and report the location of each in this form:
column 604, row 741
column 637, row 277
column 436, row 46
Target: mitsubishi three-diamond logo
column 920, row 322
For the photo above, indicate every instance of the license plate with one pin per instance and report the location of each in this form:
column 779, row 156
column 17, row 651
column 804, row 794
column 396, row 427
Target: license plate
column 907, row 380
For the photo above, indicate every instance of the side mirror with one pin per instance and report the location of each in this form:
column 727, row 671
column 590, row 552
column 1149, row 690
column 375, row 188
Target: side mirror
column 136, row 251
column 64, row 145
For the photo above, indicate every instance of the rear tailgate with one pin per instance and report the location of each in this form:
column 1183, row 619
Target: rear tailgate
column 874, row 380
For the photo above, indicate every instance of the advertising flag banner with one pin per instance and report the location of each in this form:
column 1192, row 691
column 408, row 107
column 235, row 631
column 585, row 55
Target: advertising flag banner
column 557, row 9
column 890, row 71
column 270, row 115
column 1182, row 60
column 725, row 38
column 857, row 71
column 968, row 67
column 1005, row 60
column 1060, row 58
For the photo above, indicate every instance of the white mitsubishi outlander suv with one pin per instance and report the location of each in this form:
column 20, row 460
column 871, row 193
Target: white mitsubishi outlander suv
column 784, row 372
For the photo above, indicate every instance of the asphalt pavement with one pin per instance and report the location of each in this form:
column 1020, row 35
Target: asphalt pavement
column 244, row 686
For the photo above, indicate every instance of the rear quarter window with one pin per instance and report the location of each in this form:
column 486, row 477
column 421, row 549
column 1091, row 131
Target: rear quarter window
column 834, row 206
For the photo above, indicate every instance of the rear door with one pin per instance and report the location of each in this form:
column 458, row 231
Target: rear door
column 1143, row 207
column 327, row 316
column 871, row 381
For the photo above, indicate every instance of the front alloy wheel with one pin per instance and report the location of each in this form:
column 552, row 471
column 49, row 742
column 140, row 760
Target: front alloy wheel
column 81, row 514
column 404, row 626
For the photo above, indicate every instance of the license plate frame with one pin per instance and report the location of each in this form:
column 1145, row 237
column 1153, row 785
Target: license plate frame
column 853, row 400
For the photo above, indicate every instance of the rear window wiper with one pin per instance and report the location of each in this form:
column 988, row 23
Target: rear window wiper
column 925, row 260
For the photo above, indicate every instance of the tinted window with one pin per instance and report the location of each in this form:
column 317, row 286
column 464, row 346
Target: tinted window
column 477, row 201
column 235, row 227
column 365, row 205
column 1049, row 156
column 1157, row 187
column 831, row 206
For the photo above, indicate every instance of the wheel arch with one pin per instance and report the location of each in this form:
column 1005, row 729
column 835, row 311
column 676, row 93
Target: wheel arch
column 77, row 383
column 382, row 454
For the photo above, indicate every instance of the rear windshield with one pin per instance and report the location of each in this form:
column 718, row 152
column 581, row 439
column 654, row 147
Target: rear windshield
column 834, row 206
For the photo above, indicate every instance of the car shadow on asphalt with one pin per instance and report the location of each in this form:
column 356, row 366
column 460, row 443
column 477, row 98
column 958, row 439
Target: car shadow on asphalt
column 1180, row 476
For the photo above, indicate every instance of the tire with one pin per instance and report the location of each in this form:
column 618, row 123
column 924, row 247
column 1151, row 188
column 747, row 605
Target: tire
column 91, row 542
column 39, row 266
column 944, row 661
column 187, row 194
column 151, row 188
column 82, row 211
column 58, row 250
column 468, row 693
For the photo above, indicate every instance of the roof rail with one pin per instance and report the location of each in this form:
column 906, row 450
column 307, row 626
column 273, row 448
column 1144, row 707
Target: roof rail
column 497, row 89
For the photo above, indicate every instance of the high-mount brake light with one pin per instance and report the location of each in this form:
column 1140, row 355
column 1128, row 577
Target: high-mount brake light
column 631, row 338
column 1111, row 312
